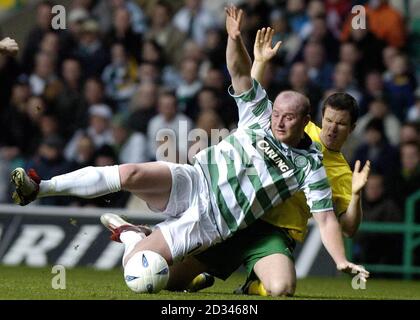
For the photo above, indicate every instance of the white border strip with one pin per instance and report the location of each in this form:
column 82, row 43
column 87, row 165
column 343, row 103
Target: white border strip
column 78, row 212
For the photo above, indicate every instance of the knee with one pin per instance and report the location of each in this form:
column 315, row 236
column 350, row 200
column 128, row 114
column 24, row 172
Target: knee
column 131, row 174
column 278, row 288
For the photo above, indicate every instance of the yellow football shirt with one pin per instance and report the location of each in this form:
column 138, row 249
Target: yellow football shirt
column 293, row 214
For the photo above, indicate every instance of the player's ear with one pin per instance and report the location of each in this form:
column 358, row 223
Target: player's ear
column 306, row 119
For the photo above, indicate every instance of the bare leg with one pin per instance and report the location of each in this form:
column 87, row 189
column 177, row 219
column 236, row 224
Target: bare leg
column 155, row 242
column 277, row 274
column 150, row 181
column 181, row 274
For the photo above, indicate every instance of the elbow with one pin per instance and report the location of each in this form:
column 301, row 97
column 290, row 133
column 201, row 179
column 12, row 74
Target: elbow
column 349, row 231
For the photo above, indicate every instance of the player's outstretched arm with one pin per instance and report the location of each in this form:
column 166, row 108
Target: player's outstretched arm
column 263, row 52
column 331, row 238
column 237, row 58
column 350, row 221
column 9, row 46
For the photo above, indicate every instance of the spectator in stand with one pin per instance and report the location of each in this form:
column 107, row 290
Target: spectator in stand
column 378, row 109
column 298, row 80
column 167, row 35
column 94, row 93
column 400, row 87
column 214, row 48
column 374, row 90
column 50, row 44
column 319, row 33
column 212, row 132
column 378, row 206
column 104, row 11
column 15, row 125
column 85, row 152
column 168, row 123
column 44, row 74
column 297, row 17
column 9, row 69
column 205, row 99
column 194, row 20
column 75, row 19
column 291, row 43
column 90, row 51
column 190, row 84
column 336, row 13
column 69, row 106
column 350, row 54
column 410, row 132
column 35, row 35
column 49, row 126
column 413, row 113
column 384, row 22
column 49, row 162
column 369, row 47
column 344, row 81
column 152, row 52
column 376, row 148
column 120, row 77
column 122, row 32
column 99, row 130
column 406, row 180
column 130, row 146
column 143, row 106
column 149, row 72
column 319, row 70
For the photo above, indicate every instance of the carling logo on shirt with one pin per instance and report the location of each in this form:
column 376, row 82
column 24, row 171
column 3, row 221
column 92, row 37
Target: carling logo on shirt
column 276, row 157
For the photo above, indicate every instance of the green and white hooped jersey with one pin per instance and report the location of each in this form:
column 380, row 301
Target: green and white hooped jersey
column 249, row 172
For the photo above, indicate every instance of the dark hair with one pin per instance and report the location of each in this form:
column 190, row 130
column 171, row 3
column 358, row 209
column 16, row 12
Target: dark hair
column 342, row 101
column 412, row 124
column 377, row 125
column 412, row 143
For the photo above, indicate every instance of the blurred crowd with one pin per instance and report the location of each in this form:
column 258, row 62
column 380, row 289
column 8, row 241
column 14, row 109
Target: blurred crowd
column 99, row 92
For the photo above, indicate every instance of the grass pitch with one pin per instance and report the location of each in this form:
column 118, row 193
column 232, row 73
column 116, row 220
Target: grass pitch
column 88, row 284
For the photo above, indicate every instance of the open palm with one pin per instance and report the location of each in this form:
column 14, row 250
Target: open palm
column 233, row 21
column 360, row 176
column 262, row 46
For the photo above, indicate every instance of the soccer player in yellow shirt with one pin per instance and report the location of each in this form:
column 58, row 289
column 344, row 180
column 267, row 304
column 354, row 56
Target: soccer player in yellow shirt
column 266, row 247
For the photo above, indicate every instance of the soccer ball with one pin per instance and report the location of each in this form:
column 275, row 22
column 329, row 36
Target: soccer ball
column 146, row 272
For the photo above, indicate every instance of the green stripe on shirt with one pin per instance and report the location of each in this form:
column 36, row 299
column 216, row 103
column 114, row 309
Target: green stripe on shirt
column 221, row 203
column 322, row 204
column 320, row 185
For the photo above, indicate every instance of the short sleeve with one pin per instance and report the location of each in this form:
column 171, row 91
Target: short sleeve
column 318, row 191
column 254, row 107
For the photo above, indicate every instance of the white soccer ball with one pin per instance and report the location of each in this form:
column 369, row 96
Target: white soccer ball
column 146, row 272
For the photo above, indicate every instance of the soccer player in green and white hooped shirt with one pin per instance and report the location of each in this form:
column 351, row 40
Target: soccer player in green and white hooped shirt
column 230, row 185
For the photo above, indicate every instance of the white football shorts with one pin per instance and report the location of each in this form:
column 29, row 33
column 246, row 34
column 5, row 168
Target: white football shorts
column 190, row 227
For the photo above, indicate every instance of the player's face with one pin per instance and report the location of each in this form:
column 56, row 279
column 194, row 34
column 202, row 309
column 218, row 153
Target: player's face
column 288, row 123
column 336, row 127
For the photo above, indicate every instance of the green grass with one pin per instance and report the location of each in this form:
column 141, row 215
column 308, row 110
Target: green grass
column 85, row 283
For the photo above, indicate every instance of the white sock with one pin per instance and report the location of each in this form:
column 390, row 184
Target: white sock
column 88, row 182
column 130, row 239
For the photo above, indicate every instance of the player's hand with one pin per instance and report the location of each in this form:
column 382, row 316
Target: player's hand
column 359, row 177
column 262, row 45
column 9, row 46
column 233, row 21
column 351, row 268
